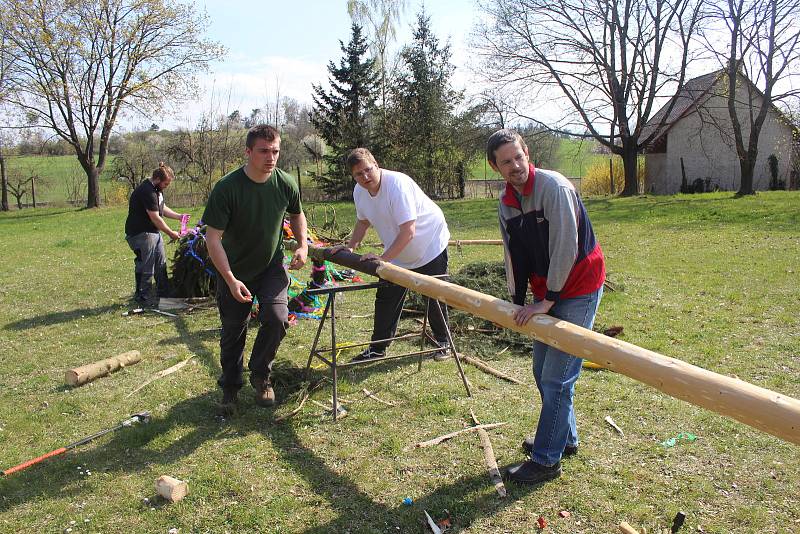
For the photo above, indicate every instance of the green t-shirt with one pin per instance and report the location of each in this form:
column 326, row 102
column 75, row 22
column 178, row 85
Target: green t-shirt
column 251, row 216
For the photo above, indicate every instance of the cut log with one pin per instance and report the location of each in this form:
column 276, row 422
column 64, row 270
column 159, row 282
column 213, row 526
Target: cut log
column 436, row 441
column 86, row 373
column 752, row 405
column 171, row 488
column 480, row 364
column 489, row 458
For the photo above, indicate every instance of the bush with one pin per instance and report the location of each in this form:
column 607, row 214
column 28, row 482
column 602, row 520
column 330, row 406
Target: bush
column 116, row 194
column 597, row 181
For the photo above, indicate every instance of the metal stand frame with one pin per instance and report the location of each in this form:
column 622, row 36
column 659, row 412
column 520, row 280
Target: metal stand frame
column 331, row 361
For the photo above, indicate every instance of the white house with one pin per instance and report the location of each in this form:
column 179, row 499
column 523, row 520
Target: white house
column 697, row 140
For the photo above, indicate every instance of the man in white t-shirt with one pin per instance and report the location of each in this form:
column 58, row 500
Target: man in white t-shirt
column 414, row 235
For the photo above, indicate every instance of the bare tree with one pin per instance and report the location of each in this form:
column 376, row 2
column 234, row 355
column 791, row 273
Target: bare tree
column 22, row 181
column 6, row 65
column 208, row 151
column 760, row 54
column 83, row 62
column 141, row 153
column 603, row 63
column 380, row 18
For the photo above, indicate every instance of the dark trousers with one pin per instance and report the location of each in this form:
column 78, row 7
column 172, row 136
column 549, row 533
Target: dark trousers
column 150, row 262
column 270, row 289
column 389, row 304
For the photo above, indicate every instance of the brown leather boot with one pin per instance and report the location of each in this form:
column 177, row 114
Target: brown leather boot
column 265, row 395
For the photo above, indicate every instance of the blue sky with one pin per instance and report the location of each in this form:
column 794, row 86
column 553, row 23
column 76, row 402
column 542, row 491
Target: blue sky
column 287, row 45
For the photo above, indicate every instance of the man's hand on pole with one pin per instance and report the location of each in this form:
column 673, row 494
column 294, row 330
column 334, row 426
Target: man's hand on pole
column 524, row 314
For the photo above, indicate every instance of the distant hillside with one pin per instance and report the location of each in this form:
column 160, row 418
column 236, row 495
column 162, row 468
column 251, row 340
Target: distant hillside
column 571, row 158
column 574, row 156
column 56, row 176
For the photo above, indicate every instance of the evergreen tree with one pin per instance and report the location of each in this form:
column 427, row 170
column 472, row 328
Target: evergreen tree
column 429, row 140
column 343, row 115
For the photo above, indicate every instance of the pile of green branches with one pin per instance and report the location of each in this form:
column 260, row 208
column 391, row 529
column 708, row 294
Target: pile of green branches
column 193, row 274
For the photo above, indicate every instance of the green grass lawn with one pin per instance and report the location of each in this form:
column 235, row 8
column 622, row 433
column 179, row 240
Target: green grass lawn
column 56, row 177
column 570, row 157
column 709, row 279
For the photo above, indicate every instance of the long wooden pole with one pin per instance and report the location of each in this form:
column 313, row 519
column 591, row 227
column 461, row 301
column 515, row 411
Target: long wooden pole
column 752, row 405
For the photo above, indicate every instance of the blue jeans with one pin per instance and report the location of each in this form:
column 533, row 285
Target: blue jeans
column 556, row 373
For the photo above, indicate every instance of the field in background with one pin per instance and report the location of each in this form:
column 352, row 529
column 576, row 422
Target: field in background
column 708, row 279
column 62, row 180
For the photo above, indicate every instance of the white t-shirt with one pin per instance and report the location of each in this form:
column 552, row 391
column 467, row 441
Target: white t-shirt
column 398, row 201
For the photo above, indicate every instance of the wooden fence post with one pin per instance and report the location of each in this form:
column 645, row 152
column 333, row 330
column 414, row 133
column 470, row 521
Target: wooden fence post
column 611, row 174
column 299, row 184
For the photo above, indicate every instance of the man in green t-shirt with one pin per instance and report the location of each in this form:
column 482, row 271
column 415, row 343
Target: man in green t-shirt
column 244, row 233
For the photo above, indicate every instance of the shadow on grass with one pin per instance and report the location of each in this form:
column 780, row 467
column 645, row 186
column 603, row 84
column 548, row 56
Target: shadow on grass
column 126, row 452
column 194, row 343
column 359, row 512
column 136, row 449
column 61, row 317
column 39, row 215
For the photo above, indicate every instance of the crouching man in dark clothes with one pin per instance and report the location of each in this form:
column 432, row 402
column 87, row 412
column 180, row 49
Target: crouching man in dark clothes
column 244, row 233
column 550, row 245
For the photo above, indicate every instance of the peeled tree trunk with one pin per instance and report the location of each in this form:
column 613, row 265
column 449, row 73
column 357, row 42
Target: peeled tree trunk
column 752, row 405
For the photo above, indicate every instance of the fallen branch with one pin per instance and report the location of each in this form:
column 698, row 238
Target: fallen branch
column 489, row 458
column 436, row 441
column 341, row 412
column 486, row 369
column 86, row 373
column 459, row 242
column 369, row 394
column 161, row 374
column 304, row 397
column 613, row 425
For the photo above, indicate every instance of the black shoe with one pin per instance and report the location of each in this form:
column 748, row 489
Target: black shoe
column 569, row 450
column 443, row 353
column 229, row 404
column 529, row 472
column 369, row 354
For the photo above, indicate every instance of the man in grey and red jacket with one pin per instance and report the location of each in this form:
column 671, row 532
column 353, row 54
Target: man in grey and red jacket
column 550, row 246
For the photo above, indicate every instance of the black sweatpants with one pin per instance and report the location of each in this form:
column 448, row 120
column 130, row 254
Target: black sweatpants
column 270, row 289
column 389, row 304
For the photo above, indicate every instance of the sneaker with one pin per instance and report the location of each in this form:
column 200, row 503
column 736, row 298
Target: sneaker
column 265, row 395
column 569, row 450
column 443, row 353
column 229, row 404
column 529, row 472
column 369, row 354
